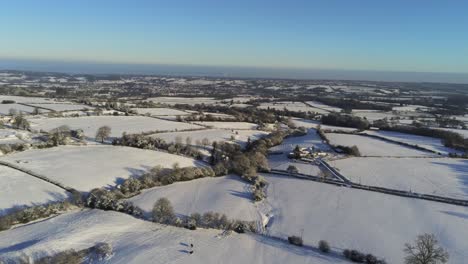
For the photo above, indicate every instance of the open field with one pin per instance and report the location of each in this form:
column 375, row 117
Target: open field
column 160, row 111
column 300, row 122
column 228, row 125
column 375, row 147
column 26, row 99
column 228, row 195
column 312, row 139
column 13, row 136
column 438, row 176
column 118, row 124
column 58, row 107
column 371, row 222
column 184, row 100
column 292, row 106
column 219, row 135
column 137, row 241
column 18, row 189
column 434, row 144
column 6, row 108
column 88, row 167
column 323, row 106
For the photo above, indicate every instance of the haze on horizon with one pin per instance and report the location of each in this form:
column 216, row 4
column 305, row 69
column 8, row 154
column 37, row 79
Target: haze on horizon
column 376, row 40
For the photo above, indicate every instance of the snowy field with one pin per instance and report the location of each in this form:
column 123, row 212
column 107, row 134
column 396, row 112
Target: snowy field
column 437, row 176
column 118, row 124
column 160, row 111
column 137, row 241
column 375, row 147
column 373, row 115
column 58, row 107
column 5, row 109
column 281, row 162
column 312, row 139
column 371, row 222
column 27, row 100
column 430, row 143
column 292, row 106
column 228, row 195
column 184, row 100
column 13, row 136
column 323, row 106
column 18, row 189
column 463, row 132
column 300, row 122
column 228, row 125
column 88, row 167
column 218, row 135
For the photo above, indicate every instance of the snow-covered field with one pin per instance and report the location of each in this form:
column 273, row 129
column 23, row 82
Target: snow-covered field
column 184, row 100
column 299, row 122
column 228, row 195
column 5, row 109
column 430, row 143
column 62, row 107
column 137, row 241
column 292, row 106
column 27, row 100
column 312, row 139
column 118, row 124
column 281, row 162
column 218, row 135
column 18, row 189
column 375, row 147
column 437, row 176
column 228, row 125
column 372, row 222
column 88, row 167
column 13, row 136
column 372, row 115
column 463, row 132
column 160, row 111
column 323, row 106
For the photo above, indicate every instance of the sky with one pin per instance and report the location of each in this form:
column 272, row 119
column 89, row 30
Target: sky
column 396, row 35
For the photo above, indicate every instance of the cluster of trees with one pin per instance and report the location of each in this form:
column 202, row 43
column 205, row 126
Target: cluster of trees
column 336, row 119
column 163, row 213
column 29, row 214
column 20, row 122
column 8, row 148
column 145, row 142
column 101, row 198
column 348, row 104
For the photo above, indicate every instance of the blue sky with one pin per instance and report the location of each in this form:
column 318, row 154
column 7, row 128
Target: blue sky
column 397, row 35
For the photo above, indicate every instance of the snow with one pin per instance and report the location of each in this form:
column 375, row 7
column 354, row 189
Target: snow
column 5, row 108
column 228, row 195
column 292, row 106
column 375, row 147
column 183, row 100
column 323, row 106
column 26, row 100
column 58, row 107
column 118, row 124
column 228, row 125
column 88, row 167
column 160, row 111
column 437, row 176
column 18, row 189
column 463, row 132
column 13, row 136
column 371, row 222
column 430, row 143
column 218, row 135
column 137, row 241
column 374, row 115
column 312, row 139
column 300, row 122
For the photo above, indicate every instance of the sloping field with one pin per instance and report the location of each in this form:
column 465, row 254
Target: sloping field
column 443, row 177
column 299, row 122
column 137, row 241
column 312, row 139
column 5, row 109
column 434, row 144
column 371, row 222
column 88, row 167
column 18, row 189
column 219, row 135
column 118, row 124
column 228, row 195
column 375, row 147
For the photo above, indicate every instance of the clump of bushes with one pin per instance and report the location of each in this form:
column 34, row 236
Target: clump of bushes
column 359, row 257
column 324, row 246
column 354, row 150
column 295, row 240
column 336, row 119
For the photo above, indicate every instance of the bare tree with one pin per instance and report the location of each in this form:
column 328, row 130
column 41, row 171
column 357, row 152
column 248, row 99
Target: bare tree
column 103, row 133
column 425, row 251
column 163, row 212
column 188, row 141
column 205, row 142
column 292, row 169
